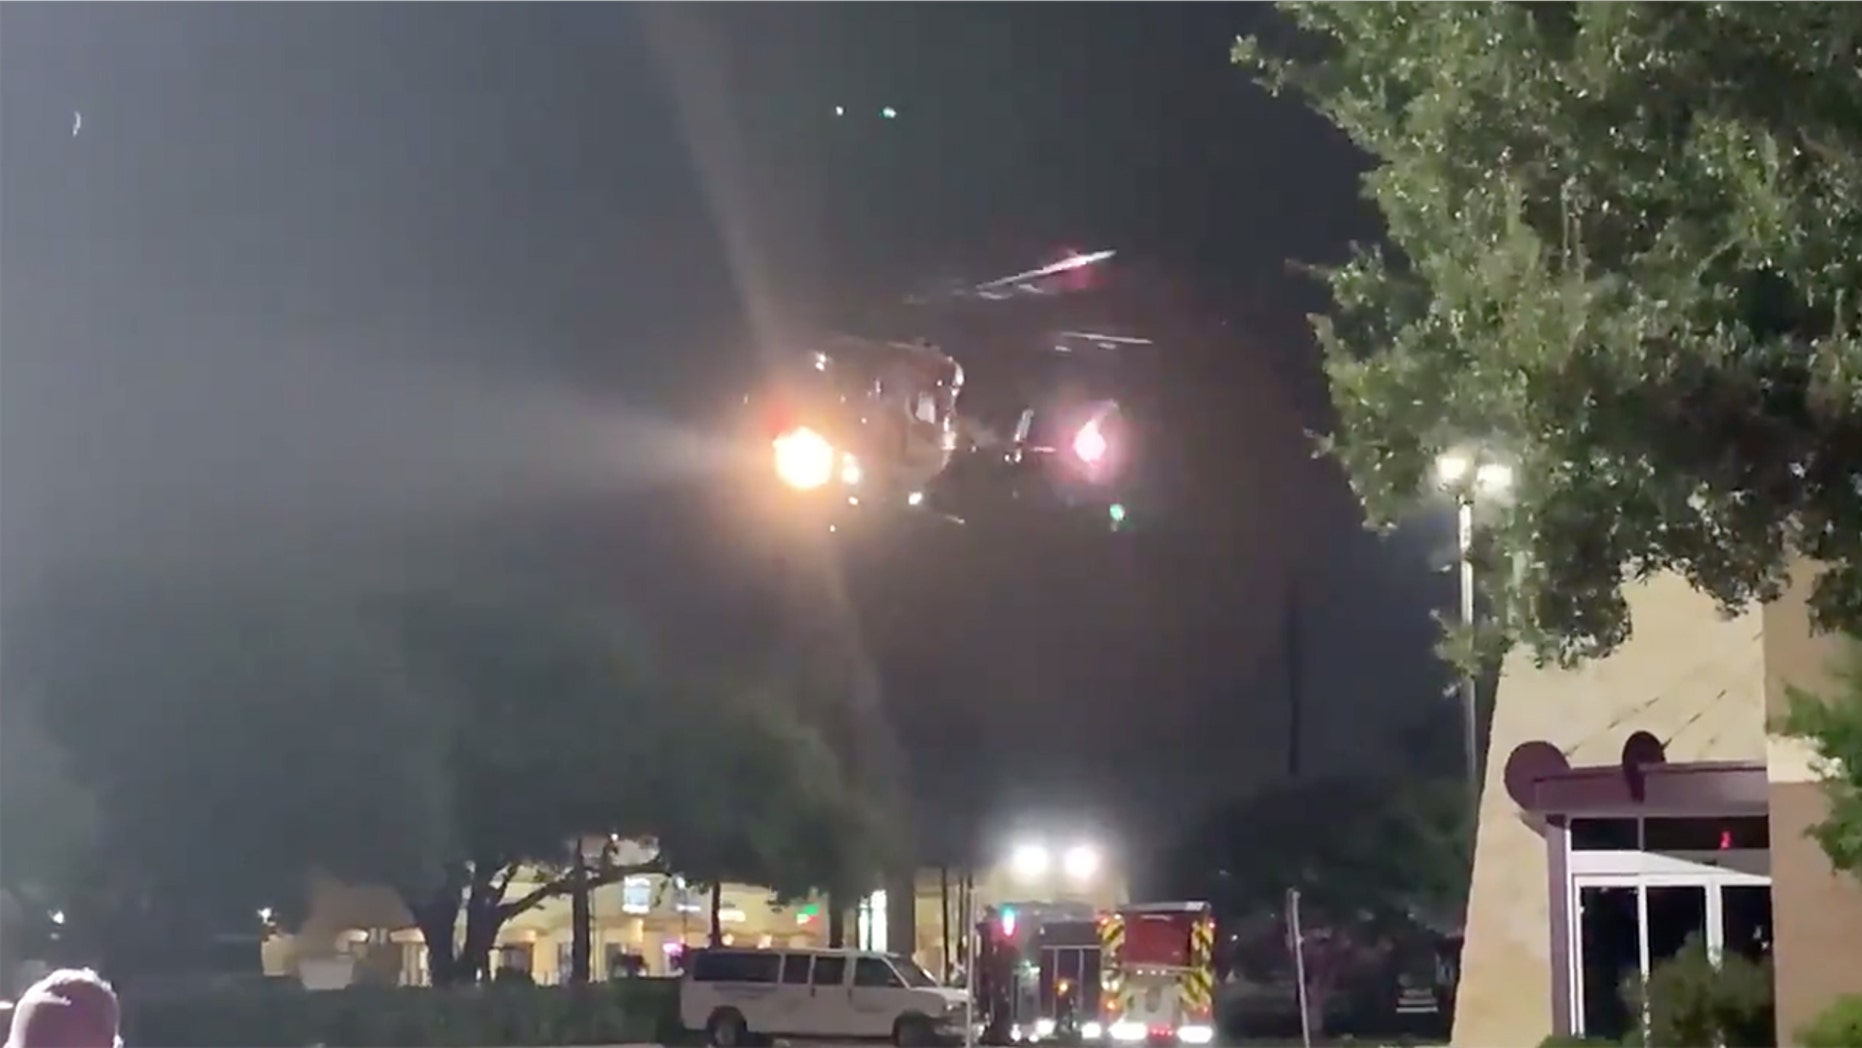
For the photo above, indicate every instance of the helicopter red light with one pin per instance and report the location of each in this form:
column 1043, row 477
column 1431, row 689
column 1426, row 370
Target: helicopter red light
column 1090, row 444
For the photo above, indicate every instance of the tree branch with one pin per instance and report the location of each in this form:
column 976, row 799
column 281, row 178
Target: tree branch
column 565, row 884
column 500, row 885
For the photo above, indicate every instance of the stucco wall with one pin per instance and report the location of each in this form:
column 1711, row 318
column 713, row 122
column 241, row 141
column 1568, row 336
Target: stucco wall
column 1816, row 911
column 1694, row 679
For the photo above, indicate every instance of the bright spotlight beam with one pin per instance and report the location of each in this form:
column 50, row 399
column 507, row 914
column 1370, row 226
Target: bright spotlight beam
column 1081, row 862
column 804, row 459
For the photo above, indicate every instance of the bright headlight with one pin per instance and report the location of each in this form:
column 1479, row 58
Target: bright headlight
column 804, row 459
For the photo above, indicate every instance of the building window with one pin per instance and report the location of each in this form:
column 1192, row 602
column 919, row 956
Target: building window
column 870, row 922
column 1705, row 835
column 414, row 964
column 1637, row 890
column 516, row 957
column 637, row 894
column 619, row 963
column 1605, row 834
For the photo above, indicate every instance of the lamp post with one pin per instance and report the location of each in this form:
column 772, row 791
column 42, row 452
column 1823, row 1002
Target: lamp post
column 1468, row 476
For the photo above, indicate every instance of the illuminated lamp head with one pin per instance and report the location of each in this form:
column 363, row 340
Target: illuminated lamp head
column 804, row 459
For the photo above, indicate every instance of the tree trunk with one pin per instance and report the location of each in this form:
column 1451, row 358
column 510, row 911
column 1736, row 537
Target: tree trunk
column 483, row 920
column 943, row 909
column 716, row 938
column 437, row 916
column 438, row 921
column 475, row 952
column 581, row 916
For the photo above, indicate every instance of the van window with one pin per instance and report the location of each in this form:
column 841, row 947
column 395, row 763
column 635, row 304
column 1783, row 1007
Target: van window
column 874, row 973
column 740, row 966
column 913, row 973
column 830, row 971
column 795, row 969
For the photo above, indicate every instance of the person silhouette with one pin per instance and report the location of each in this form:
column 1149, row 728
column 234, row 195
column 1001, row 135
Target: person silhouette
column 68, row 1008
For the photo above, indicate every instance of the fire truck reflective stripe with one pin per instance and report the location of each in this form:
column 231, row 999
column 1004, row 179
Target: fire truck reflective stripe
column 1199, row 982
column 1111, row 951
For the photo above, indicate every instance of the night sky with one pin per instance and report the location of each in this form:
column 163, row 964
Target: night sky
column 315, row 291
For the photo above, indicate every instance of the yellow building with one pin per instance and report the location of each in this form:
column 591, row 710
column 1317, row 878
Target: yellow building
column 640, row 924
column 364, row 933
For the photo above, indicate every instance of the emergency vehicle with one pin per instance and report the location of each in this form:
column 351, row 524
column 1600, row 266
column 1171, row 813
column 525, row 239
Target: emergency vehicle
column 1038, row 980
column 1156, row 975
column 1061, row 973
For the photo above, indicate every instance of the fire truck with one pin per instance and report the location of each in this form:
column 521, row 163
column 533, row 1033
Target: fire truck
column 1065, row 974
column 1156, row 975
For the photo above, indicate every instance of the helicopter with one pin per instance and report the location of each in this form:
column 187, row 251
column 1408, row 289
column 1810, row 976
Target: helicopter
column 1014, row 404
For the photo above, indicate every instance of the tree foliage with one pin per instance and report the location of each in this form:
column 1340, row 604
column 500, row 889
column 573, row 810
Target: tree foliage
column 437, row 743
column 229, row 741
column 561, row 725
column 777, row 805
column 1366, row 853
column 1832, row 725
column 1378, row 863
column 1624, row 247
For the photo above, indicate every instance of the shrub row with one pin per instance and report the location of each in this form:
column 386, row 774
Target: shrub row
column 630, row 1011
column 1691, row 1001
column 1839, row 1026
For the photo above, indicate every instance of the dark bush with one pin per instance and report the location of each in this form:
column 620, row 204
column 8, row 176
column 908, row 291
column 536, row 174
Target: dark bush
column 1838, row 1026
column 496, row 1016
column 1691, row 1001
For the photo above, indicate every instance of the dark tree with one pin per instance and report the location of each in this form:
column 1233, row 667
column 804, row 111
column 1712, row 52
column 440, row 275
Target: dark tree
column 466, row 752
column 231, row 741
column 1624, row 243
column 1375, row 861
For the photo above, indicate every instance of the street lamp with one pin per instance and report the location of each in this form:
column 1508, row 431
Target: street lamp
column 1030, row 861
column 1468, row 476
column 1081, row 862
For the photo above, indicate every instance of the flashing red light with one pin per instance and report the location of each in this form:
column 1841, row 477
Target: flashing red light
column 1090, row 444
column 1077, row 271
column 1726, row 840
column 779, row 417
column 1006, row 922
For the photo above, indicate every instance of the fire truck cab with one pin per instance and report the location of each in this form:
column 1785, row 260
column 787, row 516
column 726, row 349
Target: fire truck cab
column 1038, row 981
column 1156, row 975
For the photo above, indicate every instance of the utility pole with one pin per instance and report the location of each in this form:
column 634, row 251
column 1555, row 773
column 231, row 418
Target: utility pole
column 1470, row 708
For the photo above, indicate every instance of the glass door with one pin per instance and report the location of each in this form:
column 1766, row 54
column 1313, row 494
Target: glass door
column 1745, row 920
column 1607, row 954
column 1624, row 925
column 1672, row 915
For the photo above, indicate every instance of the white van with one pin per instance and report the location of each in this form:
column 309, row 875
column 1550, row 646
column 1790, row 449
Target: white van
column 739, row 997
